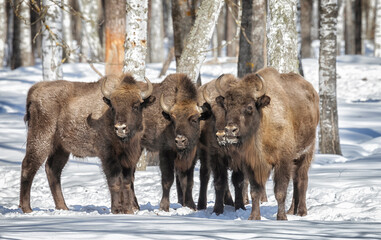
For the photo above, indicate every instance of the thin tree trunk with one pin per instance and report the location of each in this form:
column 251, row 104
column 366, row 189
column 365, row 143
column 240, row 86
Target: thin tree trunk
column 329, row 141
column 232, row 10
column 358, row 27
column 3, row 30
column 306, row 22
column 258, row 35
column 115, row 21
column 350, row 47
column 245, row 64
column 298, row 28
column 156, row 32
column 282, row 36
column 199, row 37
column 22, row 54
column 67, row 28
column 52, row 41
column 340, row 28
column 377, row 35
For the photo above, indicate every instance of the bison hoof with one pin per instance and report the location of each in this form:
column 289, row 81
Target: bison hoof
column 191, row 205
column 201, row 206
column 239, row 206
column 26, row 209
column 254, row 217
column 164, row 206
column 281, row 217
column 302, row 212
column 218, row 210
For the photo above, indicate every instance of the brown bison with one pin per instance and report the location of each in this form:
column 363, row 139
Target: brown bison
column 271, row 122
column 101, row 119
column 213, row 156
column 172, row 127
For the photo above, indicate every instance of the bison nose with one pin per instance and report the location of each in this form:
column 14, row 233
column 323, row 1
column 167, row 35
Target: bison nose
column 232, row 130
column 181, row 141
column 121, row 129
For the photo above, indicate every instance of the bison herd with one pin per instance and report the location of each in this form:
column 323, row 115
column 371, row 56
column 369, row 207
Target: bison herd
column 264, row 122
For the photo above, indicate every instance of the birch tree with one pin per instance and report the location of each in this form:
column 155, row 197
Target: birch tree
column 3, row 30
column 22, row 54
column 198, row 39
column 67, row 28
column 329, row 141
column 136, row 48
column 282, row 36
column 91, row 48
column 377, row 34
column 156, row 32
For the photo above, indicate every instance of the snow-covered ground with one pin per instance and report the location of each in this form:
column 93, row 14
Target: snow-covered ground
column 343, row 198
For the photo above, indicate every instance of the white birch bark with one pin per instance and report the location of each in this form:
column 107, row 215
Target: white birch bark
column 199, row 38
column 3, row 30
column 67, row 29
column 329, row 141
column 136, row 38
column 156, row 43
column 377, row 34
column 52, row 41
column 282, row 38
column 90, row 45
column 340, row 29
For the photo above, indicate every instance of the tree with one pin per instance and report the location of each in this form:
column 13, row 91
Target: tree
column 258, row 35
column 115, row 30
column 22, row 54
column 91, row 48
column 52, row 40
column 377, row 35
column 232, row 12
column 156, row 31
column 329, row 141
column 245, row 64
column 67, row 29
column 136, row 48
column 3, row 30
column 282, row 36
column 306, row 21
column 198, row 39
column 353, row 27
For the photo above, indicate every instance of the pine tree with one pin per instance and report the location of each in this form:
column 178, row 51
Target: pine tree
column 329, row 141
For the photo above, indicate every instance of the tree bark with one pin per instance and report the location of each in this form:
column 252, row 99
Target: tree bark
column 245, row 61
column 306, row 22
column 258, row 35
column 3, row 30
column 198, row 39
column 22, row 54
column 156, row 32
column 232, row 12
column 329, row 140
column 115, row 21
column 67, row 29
column 377, row 35
column 52, row 41
column 350, row 28
column 282, row 36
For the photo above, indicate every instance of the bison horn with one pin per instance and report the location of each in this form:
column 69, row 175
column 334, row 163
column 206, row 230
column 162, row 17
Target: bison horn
column 165, row 107
column 206, row 96
column 262, row 90
column 149, row 90
column 218, row 85
column 199, row 109
column 108, row 86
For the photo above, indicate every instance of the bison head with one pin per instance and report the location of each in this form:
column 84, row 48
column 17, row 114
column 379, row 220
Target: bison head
column 126, row 101
column 243, row 104
column 185, row 116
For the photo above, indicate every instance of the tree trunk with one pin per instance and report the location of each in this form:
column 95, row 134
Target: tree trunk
column 282, row 36
column 136, row 48
column 182, row 22
column 156, row 32
column 52, row 42
column 67, row 29
column 22, row 54
column 245, row 63
column 3, row 30
column 306, row 22
column 329, row 141
column 199, row 38
column 350, row 28
column 377, row 35
column 340, row 28
column 91, row 49
column 258, row 35
column 115, row 21
column 358, row 27
column 298, row 28
column 232, row 12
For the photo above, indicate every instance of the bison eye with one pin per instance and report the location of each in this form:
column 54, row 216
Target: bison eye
column 249, row 109
column 194, row 120
column 135, row 108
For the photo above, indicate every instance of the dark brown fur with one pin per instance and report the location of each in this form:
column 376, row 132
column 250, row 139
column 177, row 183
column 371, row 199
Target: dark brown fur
column 71, row 117
column 162, row 128
column 275, row 130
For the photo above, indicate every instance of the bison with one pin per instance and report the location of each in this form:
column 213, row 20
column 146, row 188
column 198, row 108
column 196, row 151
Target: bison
column 271, row 121
column 100, row 119
column 173, row 130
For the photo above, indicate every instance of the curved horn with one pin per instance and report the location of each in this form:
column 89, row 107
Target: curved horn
column 165, row 108
column 149, row 90
column 218, row 85
column 106, row 92
column 199, row 109
column 261, row 91
column 206, row 96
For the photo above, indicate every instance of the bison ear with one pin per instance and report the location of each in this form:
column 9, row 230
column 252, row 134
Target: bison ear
column 220, row 100
column 166, row 116
column 107, row 101
column 148, row 101
column 263, row 101
column 206, row 111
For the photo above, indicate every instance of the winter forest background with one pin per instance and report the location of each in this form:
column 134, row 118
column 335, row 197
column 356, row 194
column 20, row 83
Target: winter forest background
column 336, row 45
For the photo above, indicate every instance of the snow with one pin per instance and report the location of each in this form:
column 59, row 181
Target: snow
column 343, row 197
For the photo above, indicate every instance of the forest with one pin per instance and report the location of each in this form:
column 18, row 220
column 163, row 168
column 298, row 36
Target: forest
column 335, row 45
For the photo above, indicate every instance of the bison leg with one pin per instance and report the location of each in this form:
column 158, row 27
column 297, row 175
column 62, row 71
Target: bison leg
column 228, row 199
column 238, row 179
column 180, row 198
column 53, row 169
column 129, row 201
column 167, row 176
column 34, row 157
column 189, row 188
column 220, row 182
column 281, row 180
column 204, row 180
